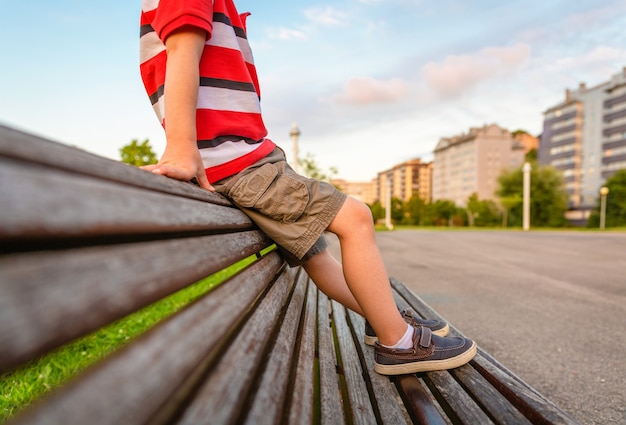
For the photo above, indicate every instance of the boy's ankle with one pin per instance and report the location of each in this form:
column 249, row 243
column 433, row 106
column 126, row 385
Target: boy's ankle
column 406, row 341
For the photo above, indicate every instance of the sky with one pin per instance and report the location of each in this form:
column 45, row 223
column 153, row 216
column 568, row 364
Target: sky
column 370, row 83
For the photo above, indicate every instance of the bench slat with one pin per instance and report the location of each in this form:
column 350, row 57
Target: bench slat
column 383, row 391
column 358, row 395
column 302, row 398
column 331, row 398
column 497, row 406
column 271, row 394
column 38, row 203
column 131, row 386
column 419, row 402
column 221, row 399
column 36, row 150
column 454, row 400
column 40, row 308
column 533, row 405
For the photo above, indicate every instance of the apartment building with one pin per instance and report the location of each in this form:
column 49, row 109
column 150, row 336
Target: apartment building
column 405, row 179
column 585, row 137
column 363, row 191
column 529, row 141
column 471, row 163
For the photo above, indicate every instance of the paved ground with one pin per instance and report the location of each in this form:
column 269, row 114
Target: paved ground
column 550, row 306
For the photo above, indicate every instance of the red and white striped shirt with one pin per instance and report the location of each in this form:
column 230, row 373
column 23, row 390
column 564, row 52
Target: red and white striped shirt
column 230, row 129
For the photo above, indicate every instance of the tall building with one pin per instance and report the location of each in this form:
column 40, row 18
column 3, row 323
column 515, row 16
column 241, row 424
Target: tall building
column 405, row 179
column 585, row 137
column 363, row 191
column 529, row 141
column 471, row 163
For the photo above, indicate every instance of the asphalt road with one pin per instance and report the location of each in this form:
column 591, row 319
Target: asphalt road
column 550, row 306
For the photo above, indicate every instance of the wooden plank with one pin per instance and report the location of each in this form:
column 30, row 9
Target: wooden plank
column 42, row 307
column 493, row 403
column 302, row 403
column 271, row 395
column 531, row 403
column 358, row 394
column 457, row 404
column 418, row 401
column 386, row 397
column 331, row 400
column 135, row 383
column 38, row 203
column 36, row 150
column 221, row 399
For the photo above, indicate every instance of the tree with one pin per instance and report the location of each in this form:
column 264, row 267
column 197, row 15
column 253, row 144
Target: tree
column 443, row 213
column 548, row 198
column 531, row 155
column 415, row 210
column 397, row 211
column 311, row 169
column 615, row 203
column 481, row 213
column 138, row 154
column 378, row 211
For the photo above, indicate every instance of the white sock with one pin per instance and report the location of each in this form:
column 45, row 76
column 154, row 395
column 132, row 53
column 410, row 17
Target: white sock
column 406, row 341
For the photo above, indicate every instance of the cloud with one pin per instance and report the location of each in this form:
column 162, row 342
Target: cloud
column 324, row 17
column 367, row 90
column 599, row 55
column 287, row 34
column 327, row 16
column 458, row 73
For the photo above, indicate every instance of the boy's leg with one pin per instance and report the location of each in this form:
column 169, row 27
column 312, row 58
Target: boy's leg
column 363, row 272
column 327, row 273
column 366, row 278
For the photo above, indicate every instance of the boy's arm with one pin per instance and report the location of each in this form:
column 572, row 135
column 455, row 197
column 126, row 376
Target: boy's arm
column 181, row 159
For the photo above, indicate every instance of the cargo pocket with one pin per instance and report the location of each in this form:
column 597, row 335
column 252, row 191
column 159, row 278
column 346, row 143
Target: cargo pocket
column 278, row 196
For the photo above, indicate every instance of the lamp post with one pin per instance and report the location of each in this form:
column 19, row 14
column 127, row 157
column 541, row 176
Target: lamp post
column 295, row 133
column 603, row 192
column 526, row 197
column 388, row 223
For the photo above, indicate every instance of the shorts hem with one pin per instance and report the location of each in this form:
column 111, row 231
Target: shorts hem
column 319, row 226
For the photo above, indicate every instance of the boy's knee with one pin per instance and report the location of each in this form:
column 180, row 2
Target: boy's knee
column 360, row 214
column 354, row 217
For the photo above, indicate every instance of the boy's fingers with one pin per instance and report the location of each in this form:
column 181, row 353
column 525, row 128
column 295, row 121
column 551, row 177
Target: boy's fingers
column 177, row 174
column 156, row 169
column 203, row 181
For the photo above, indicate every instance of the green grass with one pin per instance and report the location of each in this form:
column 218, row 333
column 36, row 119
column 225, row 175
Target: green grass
column 21, row 387
column 382, row 228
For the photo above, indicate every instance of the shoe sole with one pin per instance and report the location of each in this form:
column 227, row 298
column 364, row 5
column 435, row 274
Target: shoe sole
column 427, row 365
column 371, row 340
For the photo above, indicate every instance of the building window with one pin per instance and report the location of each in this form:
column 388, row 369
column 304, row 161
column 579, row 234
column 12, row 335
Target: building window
column 560, row 149
column 615, row 151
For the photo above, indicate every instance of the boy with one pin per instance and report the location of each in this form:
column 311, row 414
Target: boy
column 198, row 71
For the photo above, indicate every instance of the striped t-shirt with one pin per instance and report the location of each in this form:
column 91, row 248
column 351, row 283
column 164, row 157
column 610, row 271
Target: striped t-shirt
column 230, row 129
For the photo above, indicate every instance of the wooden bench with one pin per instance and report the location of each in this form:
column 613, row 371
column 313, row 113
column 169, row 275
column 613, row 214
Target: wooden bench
column 86, row 241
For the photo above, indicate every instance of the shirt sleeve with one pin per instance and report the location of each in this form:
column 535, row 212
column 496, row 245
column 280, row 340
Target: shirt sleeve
column 174, row 14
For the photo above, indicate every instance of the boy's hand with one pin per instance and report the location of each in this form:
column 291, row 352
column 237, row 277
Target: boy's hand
column 181, row 166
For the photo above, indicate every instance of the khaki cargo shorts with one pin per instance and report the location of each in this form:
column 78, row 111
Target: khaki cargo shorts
column 291, row 209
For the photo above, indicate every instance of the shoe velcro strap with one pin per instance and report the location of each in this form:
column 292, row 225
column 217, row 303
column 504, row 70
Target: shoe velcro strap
column 425, row 337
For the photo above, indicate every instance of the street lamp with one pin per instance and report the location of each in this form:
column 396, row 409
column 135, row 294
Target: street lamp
column 603, row 192
column 526, row 197
column 388, row 223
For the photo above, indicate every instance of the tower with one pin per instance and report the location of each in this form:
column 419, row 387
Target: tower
column 295, row 133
